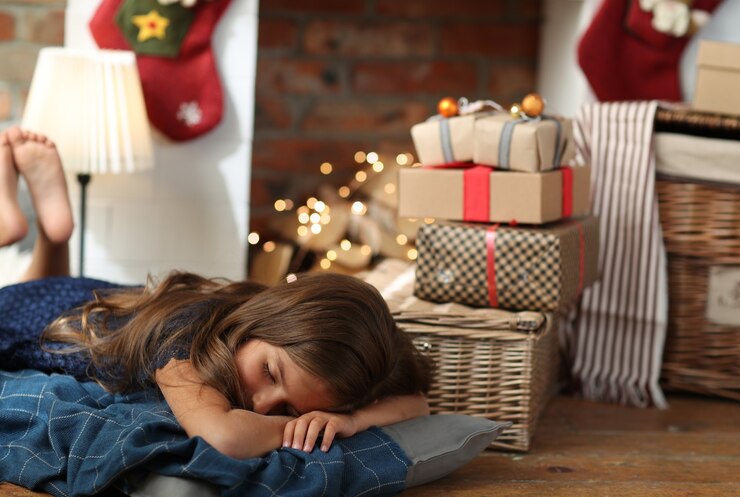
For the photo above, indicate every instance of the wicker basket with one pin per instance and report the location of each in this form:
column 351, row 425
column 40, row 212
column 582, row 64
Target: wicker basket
column 490, row 363
column 701, row 229
column 500, row 374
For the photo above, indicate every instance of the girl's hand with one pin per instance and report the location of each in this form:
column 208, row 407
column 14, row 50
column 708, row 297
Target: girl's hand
column 302, row 432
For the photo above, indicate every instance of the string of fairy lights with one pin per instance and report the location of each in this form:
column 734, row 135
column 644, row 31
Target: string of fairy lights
column 316, row 214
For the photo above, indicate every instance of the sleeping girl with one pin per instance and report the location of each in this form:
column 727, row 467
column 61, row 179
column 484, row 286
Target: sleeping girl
column 248, row 368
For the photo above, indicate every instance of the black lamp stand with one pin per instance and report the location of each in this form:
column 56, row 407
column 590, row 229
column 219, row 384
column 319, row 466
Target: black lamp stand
column 83, row 179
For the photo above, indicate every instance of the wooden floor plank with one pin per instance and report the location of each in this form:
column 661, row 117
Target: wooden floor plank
column 686, row 414
column 597, row 443
column 456, row 488
column 492, row 468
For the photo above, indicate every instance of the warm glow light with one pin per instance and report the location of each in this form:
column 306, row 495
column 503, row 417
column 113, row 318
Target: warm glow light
column 402, row 239
column 288, row 204
column 269, row 246
column 378, row 166
column 358, row 208
column 331, row 255
column 360, row 157
column 302, row 210
column 290, row 278
column 416, row 164
column 302, row 230
column 428, row 220
column 343, row 191
column 402, row 159
column 319, row 206
column 366, row 250
column 410, row 158
column 326, row 168
column 280, row 205
column 303, row 218
column 389, row 188
column 371, row 158
column 360, row 176
column 253, row 238
column 412, row 254
column 311, row 202
column 325, row 263
column 345, row 244
column 325, row 218
column 315, row 229
column 315, row 217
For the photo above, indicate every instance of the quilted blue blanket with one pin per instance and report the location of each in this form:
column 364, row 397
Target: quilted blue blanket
column 73, row 438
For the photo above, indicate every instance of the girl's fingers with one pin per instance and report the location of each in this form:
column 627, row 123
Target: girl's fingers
column 313, row 433
column 330, row 432
column 299, row 433
column 288, row 433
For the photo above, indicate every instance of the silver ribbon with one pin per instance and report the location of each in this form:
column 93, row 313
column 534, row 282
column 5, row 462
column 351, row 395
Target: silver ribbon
column 507, row 133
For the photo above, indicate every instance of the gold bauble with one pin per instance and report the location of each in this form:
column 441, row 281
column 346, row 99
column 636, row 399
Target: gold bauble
column 515, row 109
column 447, row 107
column 533, row 105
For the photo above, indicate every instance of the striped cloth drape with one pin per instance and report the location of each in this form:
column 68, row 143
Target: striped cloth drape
column 614, row 339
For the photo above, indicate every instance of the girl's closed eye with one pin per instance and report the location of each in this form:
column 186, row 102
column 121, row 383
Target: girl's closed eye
column 268, row 374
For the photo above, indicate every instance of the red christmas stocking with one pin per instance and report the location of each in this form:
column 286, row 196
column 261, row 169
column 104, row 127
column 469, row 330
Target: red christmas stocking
column 625, row 58
column 182, row 91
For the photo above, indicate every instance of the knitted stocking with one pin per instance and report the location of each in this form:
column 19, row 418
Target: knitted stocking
column 179, row 78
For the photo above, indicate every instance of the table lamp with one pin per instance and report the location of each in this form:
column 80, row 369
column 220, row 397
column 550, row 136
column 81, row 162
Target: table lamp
column 90, row 103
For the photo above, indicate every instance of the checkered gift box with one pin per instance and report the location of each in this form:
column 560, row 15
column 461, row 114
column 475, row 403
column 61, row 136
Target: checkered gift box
column 511, row 268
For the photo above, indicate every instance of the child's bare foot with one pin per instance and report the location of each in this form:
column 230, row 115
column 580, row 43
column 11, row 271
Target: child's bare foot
column 13, row 224
column 38, row 161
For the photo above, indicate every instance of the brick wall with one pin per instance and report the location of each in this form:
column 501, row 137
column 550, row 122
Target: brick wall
column 338, row 76
column 26, row 26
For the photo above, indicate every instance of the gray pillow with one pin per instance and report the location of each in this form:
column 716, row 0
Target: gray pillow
column 437, row 445
column 441, row 443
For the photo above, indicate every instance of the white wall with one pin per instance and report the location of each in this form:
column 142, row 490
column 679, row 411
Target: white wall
column 191, row 211
column 559, row 79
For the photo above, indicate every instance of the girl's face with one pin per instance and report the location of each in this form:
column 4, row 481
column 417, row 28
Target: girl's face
column 274, row 384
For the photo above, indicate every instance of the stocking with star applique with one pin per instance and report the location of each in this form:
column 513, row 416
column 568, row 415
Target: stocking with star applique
column 182, row 91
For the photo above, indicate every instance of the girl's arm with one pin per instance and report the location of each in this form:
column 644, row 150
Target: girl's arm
column 302, row 432
column 203, row 411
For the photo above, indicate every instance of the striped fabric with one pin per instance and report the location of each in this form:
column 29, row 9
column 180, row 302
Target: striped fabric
column 615, row 338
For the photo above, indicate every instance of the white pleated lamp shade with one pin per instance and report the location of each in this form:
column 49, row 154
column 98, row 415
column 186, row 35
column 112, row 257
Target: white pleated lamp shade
column 90, row 103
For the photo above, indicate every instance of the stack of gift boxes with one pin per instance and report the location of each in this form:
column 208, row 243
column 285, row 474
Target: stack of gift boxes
column 511, row 227
column 511, row 231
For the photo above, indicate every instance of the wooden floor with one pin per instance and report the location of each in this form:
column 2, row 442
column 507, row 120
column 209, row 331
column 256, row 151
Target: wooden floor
column 584, row 449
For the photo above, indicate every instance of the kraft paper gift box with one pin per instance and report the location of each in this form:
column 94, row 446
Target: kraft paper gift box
column 516, row 144
column 538, row 269
column 482, row 194
column 717, row 77
column 440, row 141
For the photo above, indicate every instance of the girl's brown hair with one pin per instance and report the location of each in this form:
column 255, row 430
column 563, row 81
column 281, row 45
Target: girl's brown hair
column 335, row 327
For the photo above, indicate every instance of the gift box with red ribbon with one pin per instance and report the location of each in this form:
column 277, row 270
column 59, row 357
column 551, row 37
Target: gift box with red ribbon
column 516, row 268
column 482, row 194
column 522, row 143
column 445, row 140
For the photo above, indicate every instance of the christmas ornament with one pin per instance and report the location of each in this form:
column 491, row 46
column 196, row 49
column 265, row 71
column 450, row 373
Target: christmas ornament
column 448, row 107
column 533, row 105
column 515, row 110
column 182, row 91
